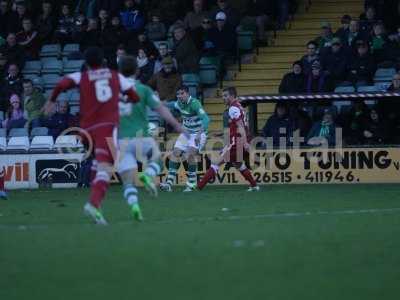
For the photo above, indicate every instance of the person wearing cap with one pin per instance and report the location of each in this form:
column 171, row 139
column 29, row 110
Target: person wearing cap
column 232, row 16
column 15, row 114
column 293, row 82
column 335, row 61
column 323, row 133
column 318, row 81
column 202, row 37
column 343, row 32
column 362, row 67
column 185, row 51
column 167, row 81
column 325, row 39
column 223, row 36
column 279, row 126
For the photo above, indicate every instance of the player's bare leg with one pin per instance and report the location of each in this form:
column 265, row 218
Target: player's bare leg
column 131, row 194
column 98, row 191
column 173, row 166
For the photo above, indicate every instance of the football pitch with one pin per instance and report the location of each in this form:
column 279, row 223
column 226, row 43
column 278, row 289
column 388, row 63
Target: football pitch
column 285, row 242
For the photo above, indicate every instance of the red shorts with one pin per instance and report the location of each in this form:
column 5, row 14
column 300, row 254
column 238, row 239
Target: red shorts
column 103, row 141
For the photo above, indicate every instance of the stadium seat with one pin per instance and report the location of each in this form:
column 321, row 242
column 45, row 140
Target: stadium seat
column 383, row 86
column 70, row 48
column 74, row 96
column 52, row 66
column 51, row 50
column 50, row 80
column 345, row 89
column 382, row 75
column 71, row 66
column 67, row 141
column 74, row 109
column 158, row 43
column 192, row 80
column 36, row 80
column 368, row 89
column 39, row 131
column 245, row 40
column 32, row 67
column 208, row 72
column 3, row 132
column 18, row 132
column 1, row 115
column 18, row 143
column 42, row 142
column 3, row 143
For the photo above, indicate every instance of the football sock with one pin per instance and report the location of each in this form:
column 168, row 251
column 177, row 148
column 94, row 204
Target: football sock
column 247, row 175
column 2, row 174
column 191, row 174
column 153, row 169
column 99, row 188
column 130, row 194
column 172, row 170
column 210, row 174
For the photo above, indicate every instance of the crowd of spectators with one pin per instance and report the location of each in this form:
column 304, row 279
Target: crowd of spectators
column 168, row 37
column 348, row 57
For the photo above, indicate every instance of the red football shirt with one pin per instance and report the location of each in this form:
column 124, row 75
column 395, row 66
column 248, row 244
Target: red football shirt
column 99, row 95
column 237, row 117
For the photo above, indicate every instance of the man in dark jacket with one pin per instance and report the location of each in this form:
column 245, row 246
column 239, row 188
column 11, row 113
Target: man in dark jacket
column 293, row 82
column 363, row 66
column 223, row 36
column 185, row 52
column 278, row 126
column 59, row 121
column 14, row 52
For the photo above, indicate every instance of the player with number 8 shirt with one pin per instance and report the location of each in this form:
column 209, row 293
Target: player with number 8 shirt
column 99, row 88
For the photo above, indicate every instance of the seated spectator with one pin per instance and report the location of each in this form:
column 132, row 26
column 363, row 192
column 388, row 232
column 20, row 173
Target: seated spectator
column 232, row 16
column 390, row 109
column 121, row 51
column 145, row 66
column 354, row 122
column 343, row 32
column 167, row 81
column 6, row 15
column 46, row 22
column 223, row 36
column 379, row 43
column 132, row 18
column 14, row 52
column 15, row 115
column 91, row 36
column 355, row 35
column 335, row 61
column 185, row 52
column 279, row 126
column 318, row 81
column 323, row 133
column 194, row 18
column 367, row 20
column 143, row 43
column 362, row 67
column 29, row 40
column 59, row 121
column 33, row 104
column 156, row 30
column 104, row 21
column 311, row 56
column 202, row 38
column 163, row 53
column 293, row 82
column 374, row 130
column 21, row 13
column 13, row 81
column 114, row 36
column 66, row 23
column 257, row 10
column 325, row 39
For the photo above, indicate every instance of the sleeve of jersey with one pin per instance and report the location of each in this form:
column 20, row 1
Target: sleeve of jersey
column 68, row 82
column 205, row 120
column 128, row 88
column 152, row 99
column 234, row 113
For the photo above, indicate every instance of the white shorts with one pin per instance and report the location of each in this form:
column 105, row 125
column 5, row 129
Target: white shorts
column 183, row 143
column 134, row 150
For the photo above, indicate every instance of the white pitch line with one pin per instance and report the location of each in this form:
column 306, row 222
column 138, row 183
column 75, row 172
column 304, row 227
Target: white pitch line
column 372, row 211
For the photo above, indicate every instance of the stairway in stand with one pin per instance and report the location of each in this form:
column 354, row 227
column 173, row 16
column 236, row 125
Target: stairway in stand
column 263, row 76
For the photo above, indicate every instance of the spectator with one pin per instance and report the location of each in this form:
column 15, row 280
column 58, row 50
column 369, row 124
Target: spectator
column 46, row 22
column 223, row 36
column 283, row 13
column 14, row 52
column 355, row 35
column 143, row 43
column 279, row 126
column 379, row 42
column 318, row 81
column 343, row 32
column 5, row 18
column 194, row 18
column 163, row 53
column 293, row 82
column 185, row 52
column 132, row 18
column 202, row 38
column 362, row 67
column 91, row 36
column 354, row 122
column 257, row 11
column 114, row 36
column 155, row 30
column 367, row 20
column 232, row 16
column 3, row 62
column 29, row 40
column 310, row 57
column 59, row 121
column 65, row 28
column 325, row 39
column 145, row 66
column 374, row 130
column 21, row 14
column 104, row 21
column 390, row 109
column 33, row 104
column 15, row 114
column 167, row 81
column 335, row 61
column 13, row 81
column 323, row 132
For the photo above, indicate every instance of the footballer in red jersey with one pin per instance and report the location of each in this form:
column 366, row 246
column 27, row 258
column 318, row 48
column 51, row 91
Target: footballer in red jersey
column 237, row 149
column 99, row 88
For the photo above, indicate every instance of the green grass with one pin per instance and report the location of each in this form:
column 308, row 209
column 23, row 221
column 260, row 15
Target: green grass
column 188, row 248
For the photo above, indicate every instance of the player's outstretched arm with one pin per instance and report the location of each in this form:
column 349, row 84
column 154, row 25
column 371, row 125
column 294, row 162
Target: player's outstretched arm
column 169, row 118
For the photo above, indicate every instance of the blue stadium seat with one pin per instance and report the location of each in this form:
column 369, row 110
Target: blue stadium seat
column 32, row 67
column 245, row 40
column 71, row 66
column 70, row 48
column 345, row 89
column 39, row 131
column 192, row 81
column 368, row 89
column 52, row 66
column 51, row 50
column 50, row 80
column 18, row 132
column 384, row 75
column 208, row 74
